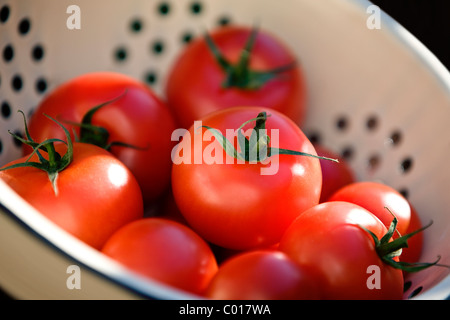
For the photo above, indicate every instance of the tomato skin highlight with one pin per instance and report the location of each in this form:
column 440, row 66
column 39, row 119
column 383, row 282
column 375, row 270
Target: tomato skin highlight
column 232, row 204
column 194, row 86
column 96, row 195
column 263, row 275
column 375, row 197
column 166, row 251
column 137, row 117
column 329, row 239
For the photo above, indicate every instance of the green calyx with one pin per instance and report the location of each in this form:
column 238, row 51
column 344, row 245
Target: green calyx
column 55, row 163
column 256, row 148
column 97, row 135
column 240, row 75
column 388, row 249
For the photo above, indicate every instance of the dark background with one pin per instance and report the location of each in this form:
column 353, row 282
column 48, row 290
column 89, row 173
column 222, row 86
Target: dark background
column 427, row 20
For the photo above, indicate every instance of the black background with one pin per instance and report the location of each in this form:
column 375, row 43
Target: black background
column 427, row 20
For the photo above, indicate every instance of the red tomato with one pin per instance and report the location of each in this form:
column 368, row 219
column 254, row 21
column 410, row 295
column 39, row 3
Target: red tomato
column 136, row 117
column 329, row 238
column 263, row 275
column 96, row 193
column 236, row 204
column 196, row 85
column 166, row 251
column 375, row 197
column 334, row 175
column 415, row 243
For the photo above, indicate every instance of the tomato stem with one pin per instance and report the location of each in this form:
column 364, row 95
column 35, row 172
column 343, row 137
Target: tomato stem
column 55, row 162
column 240, row 75
column 387, row 250
column 97, row 135
column 257, row 148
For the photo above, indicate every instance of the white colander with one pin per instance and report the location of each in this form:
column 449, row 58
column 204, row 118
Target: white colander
column 375, row 94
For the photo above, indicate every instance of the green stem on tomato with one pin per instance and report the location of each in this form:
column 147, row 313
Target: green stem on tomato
column 55, row 163
column 388, row 249
column 257, row 148
column 240, row 75
column 97, row 135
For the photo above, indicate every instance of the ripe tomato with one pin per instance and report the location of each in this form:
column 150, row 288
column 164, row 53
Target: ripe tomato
column 376, row 197
column 243, row 204
column 134, row 115
column 414, row 251
column 263, row 275
column 334, row 175
column 96, row 193
column 166, row 251
column 329, row 238
column 200, row 83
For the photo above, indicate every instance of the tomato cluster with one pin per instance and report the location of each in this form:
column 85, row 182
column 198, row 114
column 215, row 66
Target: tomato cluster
column 214, row 189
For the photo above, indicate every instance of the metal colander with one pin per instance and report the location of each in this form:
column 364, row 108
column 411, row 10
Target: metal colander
column 375, row 95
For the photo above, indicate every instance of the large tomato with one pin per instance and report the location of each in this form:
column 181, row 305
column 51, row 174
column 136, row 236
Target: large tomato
column 201, row 82
column 380, row 199
column 263, row 275
column 166, row 251
column 133, row 115
column 91, row 198
column 242, row 204
column 330, row 238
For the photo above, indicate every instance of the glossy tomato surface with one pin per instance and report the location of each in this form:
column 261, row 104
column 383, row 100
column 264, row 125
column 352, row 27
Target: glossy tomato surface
column 195, row 83
column 330, row 239
column 263, row 275
column 241, row 204
column 380, row 199
column 134, row 115
column 166, row 251
column 96, row 194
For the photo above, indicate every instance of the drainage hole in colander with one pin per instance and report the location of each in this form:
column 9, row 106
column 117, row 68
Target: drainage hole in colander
column 372, row 123
column 37, row 53
column 196, row 8
column 373, row 162
column 41, row 85
column 186, row 37
column 136, row 25
column 406, row 165
column 4, row 14
column 164, row 8
column 404, row 192
column 17, row 142
column 17, row 83
column 6, row 110
column 157, row 47
column 415, row 292
column 24, row 26
column 224, row 20
column 347, row 153
column 120, row 54
column 407, row 285
column 151, row 77
column 314, row 137
column 342, row 123
column 395, row 138
column 8, row 53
